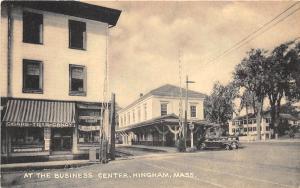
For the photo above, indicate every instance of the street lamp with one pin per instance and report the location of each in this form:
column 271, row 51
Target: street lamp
column 186, row 106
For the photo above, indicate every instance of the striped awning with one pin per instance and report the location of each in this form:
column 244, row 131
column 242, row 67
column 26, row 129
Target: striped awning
column 38, row 113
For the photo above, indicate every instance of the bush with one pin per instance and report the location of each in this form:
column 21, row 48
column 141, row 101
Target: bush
column 193, row 149
column 199, row 142
column 180, row 145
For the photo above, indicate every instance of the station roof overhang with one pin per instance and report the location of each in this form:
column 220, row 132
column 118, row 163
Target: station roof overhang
column 170, row 119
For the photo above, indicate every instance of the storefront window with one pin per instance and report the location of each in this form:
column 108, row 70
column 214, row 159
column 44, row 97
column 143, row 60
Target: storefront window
column 89, row 126
column 89, row 137
column 27, row 136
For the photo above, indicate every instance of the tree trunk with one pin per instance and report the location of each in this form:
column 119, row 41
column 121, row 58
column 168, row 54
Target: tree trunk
column 273, row 115
column 258, row 119
column 247, row 119
column 253, row 105
column 276, row 122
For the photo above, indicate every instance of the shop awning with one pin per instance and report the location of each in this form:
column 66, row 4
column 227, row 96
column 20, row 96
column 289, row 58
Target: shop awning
column 39, row 113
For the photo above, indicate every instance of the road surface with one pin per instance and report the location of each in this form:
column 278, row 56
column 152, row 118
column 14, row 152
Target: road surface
column 264, row 165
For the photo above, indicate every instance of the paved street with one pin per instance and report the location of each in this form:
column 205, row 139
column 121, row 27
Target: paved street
column 255, row 165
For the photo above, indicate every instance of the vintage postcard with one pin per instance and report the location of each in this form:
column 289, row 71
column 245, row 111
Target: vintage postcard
column 144, row 94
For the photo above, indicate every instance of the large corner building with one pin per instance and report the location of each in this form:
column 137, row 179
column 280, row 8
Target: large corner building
column 53, row 56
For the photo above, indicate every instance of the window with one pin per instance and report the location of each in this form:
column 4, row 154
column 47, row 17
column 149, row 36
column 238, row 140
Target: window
column 139, row 114
column 245, row 122
column 145, row 111
column 125, row 120
column 267, row 128
column 254, row 129
column 77, row 80
column 32, row 76
column 267, row 120
column 245, row 129
column 233, row 123
column 249, row 129
column 32, row 28
column 193, row 111
column 163, row 109
column 27, row 136
column 77, row 35
column 88, row 137
column 133, row 116
column 88, row 125
column 128, row 115
column 121, row 121
column 233, row 130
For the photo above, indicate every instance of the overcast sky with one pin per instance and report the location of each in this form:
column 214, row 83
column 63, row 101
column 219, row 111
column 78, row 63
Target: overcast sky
column 143, row 47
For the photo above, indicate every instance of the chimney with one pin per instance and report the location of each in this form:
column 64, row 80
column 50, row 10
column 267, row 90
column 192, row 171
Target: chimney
column 141, row 94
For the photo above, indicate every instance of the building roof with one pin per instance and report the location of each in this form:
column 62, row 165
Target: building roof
column 167, row 90
column 288, row 117
column 72, row 8
column 267, row 115
column 174, row 91
column 250, row 116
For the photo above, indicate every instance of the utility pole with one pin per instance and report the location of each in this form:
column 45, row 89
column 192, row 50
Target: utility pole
column 186, row 107
column 113, row 125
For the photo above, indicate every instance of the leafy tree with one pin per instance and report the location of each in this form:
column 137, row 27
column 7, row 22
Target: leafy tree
column 282, row 77
column 250, row 75
column 219, row 105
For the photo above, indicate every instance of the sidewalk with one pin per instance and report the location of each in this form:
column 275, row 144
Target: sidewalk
column 142, row 149
column 44, row 165
column 158, row 148
column 296, row 140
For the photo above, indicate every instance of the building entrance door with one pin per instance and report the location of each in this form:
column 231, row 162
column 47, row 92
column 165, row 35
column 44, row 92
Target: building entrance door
column 61, row 139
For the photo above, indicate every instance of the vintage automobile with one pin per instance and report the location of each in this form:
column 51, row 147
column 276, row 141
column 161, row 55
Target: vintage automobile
column 227, row 143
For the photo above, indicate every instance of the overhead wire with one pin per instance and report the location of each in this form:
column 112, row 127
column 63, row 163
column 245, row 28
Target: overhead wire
column 254, row 34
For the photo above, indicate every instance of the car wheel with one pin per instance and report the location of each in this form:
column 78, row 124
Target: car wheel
column 227, row 147
column 234, row 146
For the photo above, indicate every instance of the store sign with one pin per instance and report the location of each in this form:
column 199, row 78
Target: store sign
column 89, row 118
column 27, row 149
column 39, row 124
column 89, row 128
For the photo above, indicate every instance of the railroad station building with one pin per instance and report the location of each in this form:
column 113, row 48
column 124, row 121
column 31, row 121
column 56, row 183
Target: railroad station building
column 153, row 119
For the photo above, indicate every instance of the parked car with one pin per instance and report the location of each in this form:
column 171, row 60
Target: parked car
column 227, row 143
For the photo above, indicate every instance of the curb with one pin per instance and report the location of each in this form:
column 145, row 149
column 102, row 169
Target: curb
column 270, row 141
column 43, row 167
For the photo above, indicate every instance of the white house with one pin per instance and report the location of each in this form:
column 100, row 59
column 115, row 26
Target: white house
column 53, row 57
column 239, row 125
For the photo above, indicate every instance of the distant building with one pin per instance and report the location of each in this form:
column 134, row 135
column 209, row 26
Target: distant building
column 239, row 125
column 153, row 118
column 52, row 70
